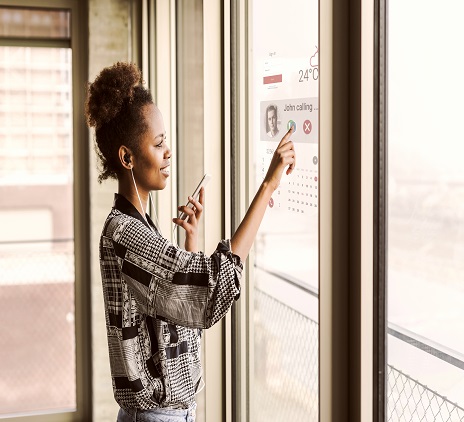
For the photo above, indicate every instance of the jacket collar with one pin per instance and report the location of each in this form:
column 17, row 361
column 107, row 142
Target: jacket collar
column 126, row 207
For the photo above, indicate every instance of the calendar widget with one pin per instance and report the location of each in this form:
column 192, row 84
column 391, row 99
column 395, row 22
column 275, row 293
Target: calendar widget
column 298, row 192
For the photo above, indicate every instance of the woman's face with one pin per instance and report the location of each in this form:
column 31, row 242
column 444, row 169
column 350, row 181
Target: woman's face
column 151, row 167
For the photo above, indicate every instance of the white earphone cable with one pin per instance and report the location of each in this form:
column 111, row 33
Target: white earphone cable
column 155, row 213
column 138, row 196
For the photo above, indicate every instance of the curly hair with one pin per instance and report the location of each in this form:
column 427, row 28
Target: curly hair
column 114, row 107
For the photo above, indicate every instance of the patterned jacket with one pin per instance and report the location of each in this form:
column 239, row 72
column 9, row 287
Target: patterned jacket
column 158, row 297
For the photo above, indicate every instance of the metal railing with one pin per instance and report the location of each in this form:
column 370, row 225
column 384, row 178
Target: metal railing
column 37, row 262
column 286, row 368
column 286, row 362
column 37, row 340
column 409, row 400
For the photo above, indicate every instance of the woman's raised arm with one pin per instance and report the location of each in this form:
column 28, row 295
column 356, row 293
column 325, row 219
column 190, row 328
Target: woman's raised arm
column 244, row 237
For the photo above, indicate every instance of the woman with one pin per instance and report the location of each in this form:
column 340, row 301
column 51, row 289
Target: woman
column 158, row 297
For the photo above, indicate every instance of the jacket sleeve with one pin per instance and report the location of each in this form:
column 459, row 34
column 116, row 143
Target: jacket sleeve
column 167, row 282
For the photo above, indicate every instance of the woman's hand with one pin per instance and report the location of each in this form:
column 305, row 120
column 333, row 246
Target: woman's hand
column 244, row 237
column 190, row 223
column 284, row 155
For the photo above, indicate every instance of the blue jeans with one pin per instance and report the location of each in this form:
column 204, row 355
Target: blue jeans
column 157, row 415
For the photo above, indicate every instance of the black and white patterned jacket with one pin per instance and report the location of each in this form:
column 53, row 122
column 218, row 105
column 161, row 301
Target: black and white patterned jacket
column 158, row 297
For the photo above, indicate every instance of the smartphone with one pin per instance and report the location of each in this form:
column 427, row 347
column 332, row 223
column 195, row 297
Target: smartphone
column 203, row 182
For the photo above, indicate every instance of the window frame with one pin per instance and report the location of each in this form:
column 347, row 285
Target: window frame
column 380, row 213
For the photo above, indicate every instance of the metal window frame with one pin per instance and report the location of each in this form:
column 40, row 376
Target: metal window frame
column 380, row 215
column 366, row 230
column 81, row 204
column 236, row 42
column 16, row 41
column 336, row 284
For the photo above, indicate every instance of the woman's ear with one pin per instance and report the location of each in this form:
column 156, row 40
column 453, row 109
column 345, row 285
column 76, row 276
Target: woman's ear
column 125, row 157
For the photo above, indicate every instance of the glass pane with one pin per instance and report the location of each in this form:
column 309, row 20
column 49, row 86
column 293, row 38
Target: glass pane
column 34, row 23
column 190, row 102
column 425, row 211
column 285, row 92
column 190, row 130
column 37, row 341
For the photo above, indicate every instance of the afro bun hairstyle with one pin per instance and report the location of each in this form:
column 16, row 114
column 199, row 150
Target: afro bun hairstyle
column 114, row 107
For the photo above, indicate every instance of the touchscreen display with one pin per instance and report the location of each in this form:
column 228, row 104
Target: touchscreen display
column 285, row 63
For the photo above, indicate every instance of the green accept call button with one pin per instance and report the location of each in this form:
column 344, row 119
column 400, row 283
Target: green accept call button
column 290, row 124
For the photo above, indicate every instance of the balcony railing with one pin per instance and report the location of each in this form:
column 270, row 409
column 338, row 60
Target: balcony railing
column 286, row 367
column 37, row 341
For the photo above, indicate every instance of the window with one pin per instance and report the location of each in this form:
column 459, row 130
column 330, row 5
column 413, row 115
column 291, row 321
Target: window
column 284, row 92
column 41, row 278
column 425, row 211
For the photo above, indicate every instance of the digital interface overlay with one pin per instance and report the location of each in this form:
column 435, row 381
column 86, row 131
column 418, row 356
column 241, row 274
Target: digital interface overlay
column 286, row 92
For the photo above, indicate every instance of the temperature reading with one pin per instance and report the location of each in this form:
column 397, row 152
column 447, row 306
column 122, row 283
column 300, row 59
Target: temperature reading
column 307, row 74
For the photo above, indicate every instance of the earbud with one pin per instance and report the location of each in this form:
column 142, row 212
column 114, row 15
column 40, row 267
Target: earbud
column 127, row 160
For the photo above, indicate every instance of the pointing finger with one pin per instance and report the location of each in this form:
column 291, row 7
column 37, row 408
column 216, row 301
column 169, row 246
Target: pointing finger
column 286, row 137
